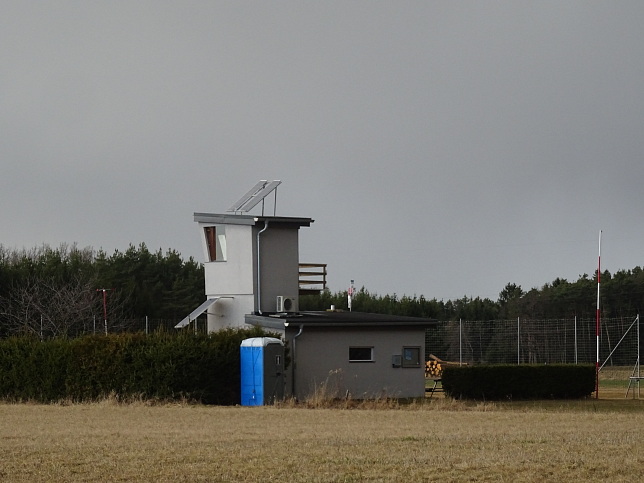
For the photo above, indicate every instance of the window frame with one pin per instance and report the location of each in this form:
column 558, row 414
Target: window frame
column 215, row 243
column 413, row 362
column 361, row 360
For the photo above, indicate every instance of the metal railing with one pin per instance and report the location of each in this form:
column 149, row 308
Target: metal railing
column 312, row 278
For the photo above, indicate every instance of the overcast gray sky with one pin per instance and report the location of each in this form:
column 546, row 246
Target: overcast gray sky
column 443, row 148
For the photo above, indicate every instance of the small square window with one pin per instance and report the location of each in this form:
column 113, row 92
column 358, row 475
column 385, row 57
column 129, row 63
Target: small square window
column 411, row 357
column 360, row 354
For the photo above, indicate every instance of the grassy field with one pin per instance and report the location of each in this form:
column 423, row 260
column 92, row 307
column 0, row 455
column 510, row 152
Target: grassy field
column 439, row 440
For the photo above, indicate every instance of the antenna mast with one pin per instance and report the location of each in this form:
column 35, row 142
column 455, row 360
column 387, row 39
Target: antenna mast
column 598, row 315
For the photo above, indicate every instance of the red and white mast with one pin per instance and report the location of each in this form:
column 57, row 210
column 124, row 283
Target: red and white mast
column 598, row 316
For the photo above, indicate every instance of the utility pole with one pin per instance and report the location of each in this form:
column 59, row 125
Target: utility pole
column 104, row 290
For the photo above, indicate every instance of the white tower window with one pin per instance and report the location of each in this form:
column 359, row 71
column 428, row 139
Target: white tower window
column 216, row 243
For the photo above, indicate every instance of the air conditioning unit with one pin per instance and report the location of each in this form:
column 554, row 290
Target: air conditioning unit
column 285, row 304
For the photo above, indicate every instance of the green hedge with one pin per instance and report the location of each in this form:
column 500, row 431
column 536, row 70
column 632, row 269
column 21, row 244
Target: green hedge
column 156, row 366
column 529, row 381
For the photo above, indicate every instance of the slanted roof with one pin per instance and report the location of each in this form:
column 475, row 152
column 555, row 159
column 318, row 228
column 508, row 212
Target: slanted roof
column 337, row 319
column 230, row 219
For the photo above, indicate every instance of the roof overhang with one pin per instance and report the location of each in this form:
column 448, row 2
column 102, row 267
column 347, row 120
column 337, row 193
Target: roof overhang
column 338, row 319
column 230, row 219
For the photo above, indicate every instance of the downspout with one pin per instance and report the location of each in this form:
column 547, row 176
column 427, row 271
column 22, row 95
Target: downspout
column 294, row 360
column 259, row 277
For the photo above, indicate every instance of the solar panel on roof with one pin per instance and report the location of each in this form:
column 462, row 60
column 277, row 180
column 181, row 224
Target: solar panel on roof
column 256, row 194
column 252, row 192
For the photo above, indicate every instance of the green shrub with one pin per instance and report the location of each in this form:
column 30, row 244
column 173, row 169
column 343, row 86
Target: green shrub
column 528, row 381
column 157, row 366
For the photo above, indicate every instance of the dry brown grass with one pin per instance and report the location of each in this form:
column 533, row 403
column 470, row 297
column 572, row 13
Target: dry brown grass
column 440, row 440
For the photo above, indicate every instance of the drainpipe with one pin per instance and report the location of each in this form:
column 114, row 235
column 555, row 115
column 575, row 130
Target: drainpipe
column 259, row 277
column 294, row 359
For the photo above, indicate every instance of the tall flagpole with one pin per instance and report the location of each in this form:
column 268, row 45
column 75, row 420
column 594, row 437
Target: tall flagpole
column 597, row 315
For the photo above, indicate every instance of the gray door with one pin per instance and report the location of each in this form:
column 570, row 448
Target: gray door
column 273, row 373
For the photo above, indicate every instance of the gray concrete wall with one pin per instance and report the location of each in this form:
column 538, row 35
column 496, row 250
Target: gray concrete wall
column 322, row 363
column 279, row 265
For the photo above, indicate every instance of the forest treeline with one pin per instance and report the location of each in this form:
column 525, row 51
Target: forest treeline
column 621, row 295
column 58, row 292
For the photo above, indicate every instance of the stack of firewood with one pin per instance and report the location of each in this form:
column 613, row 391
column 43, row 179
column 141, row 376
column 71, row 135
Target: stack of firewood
column 433, row 369
column 434, row 366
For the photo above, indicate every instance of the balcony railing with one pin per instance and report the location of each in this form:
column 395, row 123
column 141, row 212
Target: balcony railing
column 312, row 278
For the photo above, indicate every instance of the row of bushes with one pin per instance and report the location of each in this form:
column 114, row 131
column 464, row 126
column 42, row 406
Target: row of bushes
column 512, row 381
column 157, row 366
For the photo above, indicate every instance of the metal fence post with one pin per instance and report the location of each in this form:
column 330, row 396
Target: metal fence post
column 460, row 342
column 638, row 357
column 575, row 339
column 518, row 341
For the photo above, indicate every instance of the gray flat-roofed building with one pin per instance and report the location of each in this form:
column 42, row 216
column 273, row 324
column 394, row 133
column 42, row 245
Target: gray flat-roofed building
column 350, row 354
column 252, row 276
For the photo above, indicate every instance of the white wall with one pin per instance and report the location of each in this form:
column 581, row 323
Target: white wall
column 235, row 275
column 230, row 312
column 231, row 279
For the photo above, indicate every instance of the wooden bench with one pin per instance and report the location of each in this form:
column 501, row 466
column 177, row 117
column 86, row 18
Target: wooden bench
column 436, row 387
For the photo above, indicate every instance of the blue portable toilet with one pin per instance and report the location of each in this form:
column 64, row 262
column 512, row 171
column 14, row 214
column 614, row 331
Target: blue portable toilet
column 262, row 371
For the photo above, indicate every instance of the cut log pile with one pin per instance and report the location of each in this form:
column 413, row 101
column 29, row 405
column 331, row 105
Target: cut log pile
column 434, row 366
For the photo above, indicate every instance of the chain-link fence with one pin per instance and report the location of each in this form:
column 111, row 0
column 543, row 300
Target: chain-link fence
column 145, row 325
column 46, row 329
column 523, row 341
